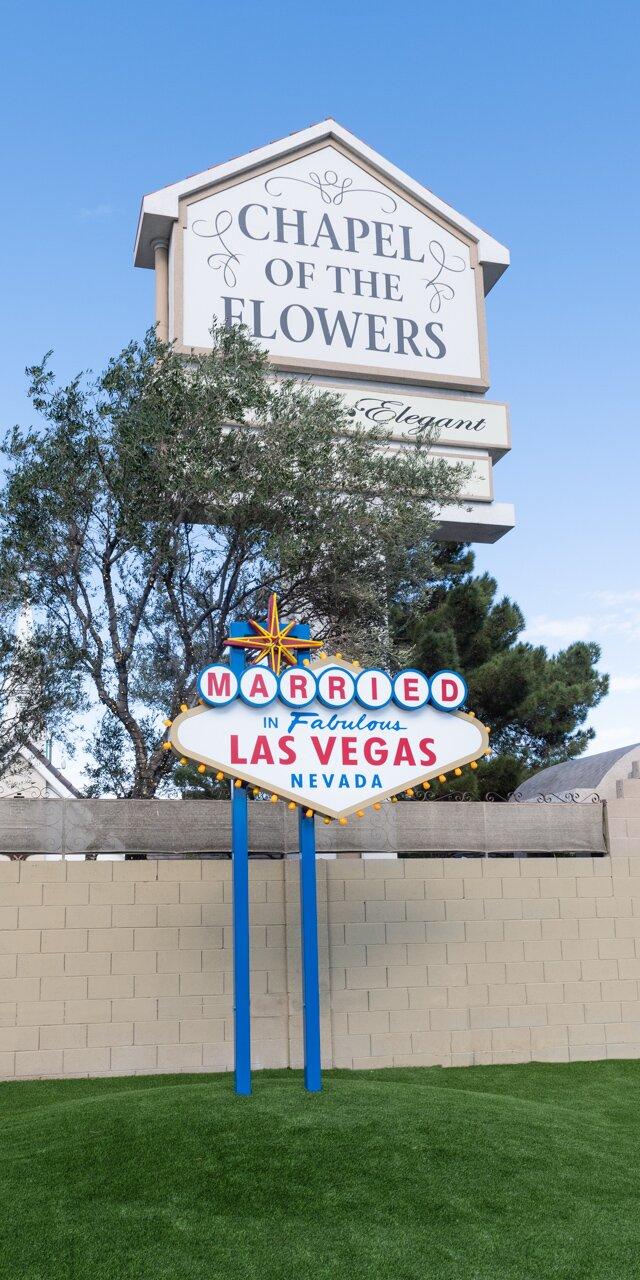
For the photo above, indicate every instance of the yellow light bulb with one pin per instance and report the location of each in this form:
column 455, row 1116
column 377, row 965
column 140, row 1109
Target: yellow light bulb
column 474, row 764
column 326, row 821
column 274, row 798
column 409, row 791
column 442, row 777
column 308, row 813
column 166, row 746
column 256, row 791
column 166, row 723
column 183, row 706
column 202, row 768
column 183, row 760
column 427, row 786
column 219, row 776
column 359, row 813
column 342, row 821
column 238, row 783
column 377, row 805
column 458, row 773
column 291, row 804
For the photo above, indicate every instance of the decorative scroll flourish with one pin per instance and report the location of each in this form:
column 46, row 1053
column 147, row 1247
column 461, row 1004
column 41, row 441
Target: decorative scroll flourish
column 550, row 797
column 223, row 258
column 332, row 188
column 439, row 290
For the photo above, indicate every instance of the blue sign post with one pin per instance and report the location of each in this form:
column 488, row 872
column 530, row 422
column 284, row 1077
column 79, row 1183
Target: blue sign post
column 240, row 875
column 308, row 914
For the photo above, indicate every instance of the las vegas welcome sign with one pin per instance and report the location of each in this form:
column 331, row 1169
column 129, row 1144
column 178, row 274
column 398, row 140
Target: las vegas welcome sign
column 328, row 735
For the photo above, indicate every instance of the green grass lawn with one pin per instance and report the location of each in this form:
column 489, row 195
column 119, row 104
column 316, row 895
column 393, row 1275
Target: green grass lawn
column 491, row 1173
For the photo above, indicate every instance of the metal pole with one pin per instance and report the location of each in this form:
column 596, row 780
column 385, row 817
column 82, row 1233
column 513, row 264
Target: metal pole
column 310, row 972
column 240, row 875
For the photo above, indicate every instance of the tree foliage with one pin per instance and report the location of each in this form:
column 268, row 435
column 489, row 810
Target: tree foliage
column 138, row 525
column 535, row 703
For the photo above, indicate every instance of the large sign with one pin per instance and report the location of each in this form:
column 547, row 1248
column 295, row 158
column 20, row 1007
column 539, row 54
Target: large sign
column 330, row 736
column 331, row 268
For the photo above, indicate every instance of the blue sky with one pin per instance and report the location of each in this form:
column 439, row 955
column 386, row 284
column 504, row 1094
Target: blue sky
column 523, row 118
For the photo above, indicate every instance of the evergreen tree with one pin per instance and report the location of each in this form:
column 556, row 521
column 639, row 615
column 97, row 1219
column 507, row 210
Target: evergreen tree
column 536, row 704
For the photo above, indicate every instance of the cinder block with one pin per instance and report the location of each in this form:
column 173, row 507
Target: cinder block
column 586, row 1033
column 542, row 908
column 20, row 894
column 153, row 985
column 138, row 1009
column 565, row 1013
column 101, row 1035
column 39, row 1013
column 602, row 1011
column 65, row 893
column 448, row 1019
column 87, row 1011
column 510, row 1039
column 179, row 1057
column 14, row 989
column 9, row 916
column 158, row 1032
column 181, row 1007
column 184, row 961
column 622, row 1032
column 138, row 961
column 582, row 992
column 619, row 990
column 447, row 975
column 502, row 908
column 371, row 931
column 431, row 997
column 7, row 1015
column 488, row 1018
column 368, row 977
column 88, row 870
column 489, row 973
column 137, row 915
column 599, row 970
column 344, row 1000
column 13, row 941
column 110, row 939
column 507, row 993
column 111, row 893
column 40, row 871
column 368, row 1022
column 63, row 940
column 65, row 1036
column 12, row 1038
column 562, row 928
column 471, row 1041
column 39, row 1062
column 562, row 971
column 463, row 909
column 154, row 892
column 431, row 1042
column 204, row 1030
column 501, row 952
column 398, row 954
column 469, row 996
column 391, row 998
column 89, row 917
column 580, row 949
column 544, row 1038
column 9, row 966
column 528, row 1015
column 131, row 1059
column 65, row 988
column 545, row 992
column 208, row 939
column 112, row 986
column 201, row 984
column 466, row 953
column 84, row 963
column 523, row 930
column 423, row 953
column 615, row 948
column 402, row 890
column 91, row 1062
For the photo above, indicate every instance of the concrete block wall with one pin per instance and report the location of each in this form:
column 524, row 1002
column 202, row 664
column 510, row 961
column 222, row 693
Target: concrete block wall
column 125, row 967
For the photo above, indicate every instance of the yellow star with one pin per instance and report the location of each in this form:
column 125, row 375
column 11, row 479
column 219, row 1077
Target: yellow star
column 273, row 642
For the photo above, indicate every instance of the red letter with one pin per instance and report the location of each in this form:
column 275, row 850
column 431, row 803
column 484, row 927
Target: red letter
column 449, row 690
column 298, row 684
column 323, row 755
column 349, row 752
column 236, row 758
column 411, row 692
column 287, row 754
column 375, row 750
column 337, row 687
column 404, row 754
column 425, row 750
column 258, row 685
column 219, row 686
column 262, row 750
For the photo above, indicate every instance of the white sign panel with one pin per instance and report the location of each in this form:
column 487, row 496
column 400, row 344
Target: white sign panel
column 332, row 269
column 465, row 422
column 334, row 760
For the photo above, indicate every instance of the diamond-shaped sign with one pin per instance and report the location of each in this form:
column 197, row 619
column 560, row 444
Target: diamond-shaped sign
column 334, row 761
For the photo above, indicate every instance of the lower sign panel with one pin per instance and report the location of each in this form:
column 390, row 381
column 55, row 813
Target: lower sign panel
column 333, row 762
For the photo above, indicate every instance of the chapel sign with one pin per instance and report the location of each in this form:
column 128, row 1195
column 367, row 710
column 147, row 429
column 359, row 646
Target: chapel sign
column 348, row 273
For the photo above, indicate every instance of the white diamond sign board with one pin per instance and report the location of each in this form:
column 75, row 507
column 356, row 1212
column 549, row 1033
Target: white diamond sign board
column 335, row 759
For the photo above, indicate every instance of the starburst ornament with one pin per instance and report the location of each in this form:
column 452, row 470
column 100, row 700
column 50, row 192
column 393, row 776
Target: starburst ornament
column 272, row 643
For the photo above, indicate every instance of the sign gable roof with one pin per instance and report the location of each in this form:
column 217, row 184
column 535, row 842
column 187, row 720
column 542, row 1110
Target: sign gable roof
column 160, row 209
